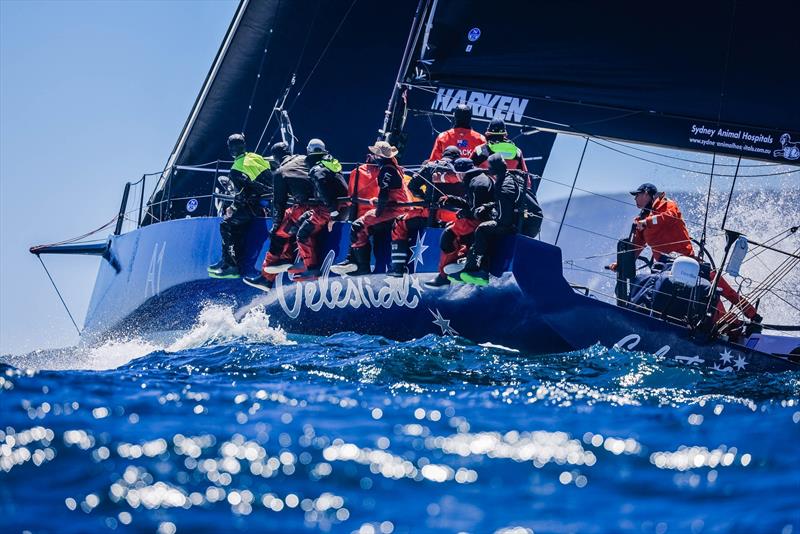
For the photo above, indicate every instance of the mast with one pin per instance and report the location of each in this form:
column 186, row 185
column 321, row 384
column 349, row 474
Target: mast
column 393, row 121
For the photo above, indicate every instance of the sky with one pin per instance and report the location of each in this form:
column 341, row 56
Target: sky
column 94, row 94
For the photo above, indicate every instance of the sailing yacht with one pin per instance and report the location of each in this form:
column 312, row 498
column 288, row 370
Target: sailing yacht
column 703, row 78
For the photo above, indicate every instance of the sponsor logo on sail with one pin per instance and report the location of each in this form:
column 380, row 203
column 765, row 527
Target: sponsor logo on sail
column 739, row 140
column 486, row 105
column 790, row 150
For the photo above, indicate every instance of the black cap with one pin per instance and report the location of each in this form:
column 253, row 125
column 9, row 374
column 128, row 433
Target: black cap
column 497, row 165
column 646, row 187
column 280, row 150
column 451, row 153
column 497, row 127
column 462, row 115
column 236, row 139
column 463, row 165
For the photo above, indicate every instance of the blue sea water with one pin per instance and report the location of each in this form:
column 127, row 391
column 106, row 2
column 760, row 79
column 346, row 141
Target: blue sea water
column 237, row 426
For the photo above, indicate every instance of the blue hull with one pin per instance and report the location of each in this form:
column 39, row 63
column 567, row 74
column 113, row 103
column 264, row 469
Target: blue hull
column 164, row 284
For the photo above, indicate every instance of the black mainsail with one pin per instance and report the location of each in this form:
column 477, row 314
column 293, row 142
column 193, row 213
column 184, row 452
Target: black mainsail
column 328, row 63
column 718, row 76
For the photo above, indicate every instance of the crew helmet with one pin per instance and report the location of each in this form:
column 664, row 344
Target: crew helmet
column 496, row 127
column 316, row 146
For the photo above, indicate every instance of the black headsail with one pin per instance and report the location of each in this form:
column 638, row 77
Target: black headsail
column 716, row 76
column 333, row 60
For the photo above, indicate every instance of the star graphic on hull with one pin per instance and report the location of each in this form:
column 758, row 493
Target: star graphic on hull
column 726, row 356
column 442, row 323
column 740, row 363
column 417, row 250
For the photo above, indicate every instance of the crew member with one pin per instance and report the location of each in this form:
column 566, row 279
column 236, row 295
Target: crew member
column 434, row 179
column 389, row 205
column 514, row 208
column 330, row 186
column 291, row 182
column 497, row 142
column 461, row 135
column 250, row 175
column 472, row 210
column 660, row 225
column 363, row 184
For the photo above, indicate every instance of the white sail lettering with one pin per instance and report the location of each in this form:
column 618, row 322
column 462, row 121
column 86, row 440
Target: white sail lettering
column 516, row 109
column 502, row 107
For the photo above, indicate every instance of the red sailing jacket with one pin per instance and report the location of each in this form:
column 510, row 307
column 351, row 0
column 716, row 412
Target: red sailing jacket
column 466, row 139
column 367, row 177
column 664, row 230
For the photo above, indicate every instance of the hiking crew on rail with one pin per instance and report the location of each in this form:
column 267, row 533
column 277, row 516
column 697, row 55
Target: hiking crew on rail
column 309, row 194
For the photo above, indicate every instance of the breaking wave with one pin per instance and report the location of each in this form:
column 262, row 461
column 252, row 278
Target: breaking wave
column 215, row 325
column 218, row 325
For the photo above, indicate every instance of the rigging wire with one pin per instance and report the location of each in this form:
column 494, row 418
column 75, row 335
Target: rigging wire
column 291, row 79
column 322, row 54
column 788, row 232
column 258, row 75
column 76, row 239
column 595, row 141
column 571, row 191
column 708, row 202
column 78, row 330
column 688, row 160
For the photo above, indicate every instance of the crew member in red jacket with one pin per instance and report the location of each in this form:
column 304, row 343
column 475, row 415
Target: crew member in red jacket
column 660, row 226
column 389, row 204
column 363, row 183
column 460, row 135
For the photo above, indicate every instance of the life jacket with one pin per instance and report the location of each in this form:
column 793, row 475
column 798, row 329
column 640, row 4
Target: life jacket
column 511, row 154
column 328, row 181
column 250, row 164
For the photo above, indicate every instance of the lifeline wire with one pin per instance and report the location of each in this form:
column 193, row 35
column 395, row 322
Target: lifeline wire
column 59, row 295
